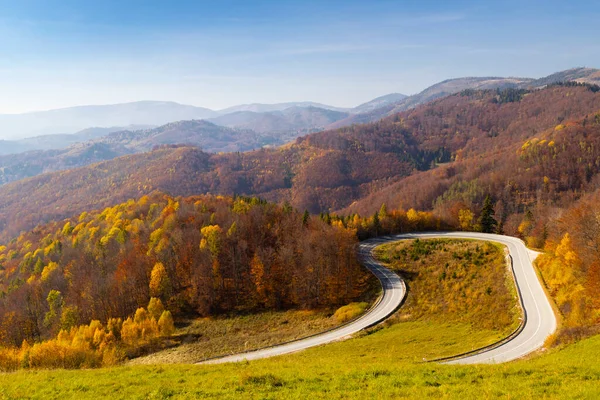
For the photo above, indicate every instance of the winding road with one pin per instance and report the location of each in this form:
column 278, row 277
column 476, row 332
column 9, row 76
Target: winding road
column 540, row 321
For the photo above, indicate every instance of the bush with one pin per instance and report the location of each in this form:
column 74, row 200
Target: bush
column 350, row 311
column 10, row 360
column 93, row 345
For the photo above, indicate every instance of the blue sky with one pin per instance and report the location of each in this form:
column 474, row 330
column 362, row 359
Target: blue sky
column 220, row 53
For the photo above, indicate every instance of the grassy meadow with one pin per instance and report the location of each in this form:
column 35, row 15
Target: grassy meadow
column 383, row 364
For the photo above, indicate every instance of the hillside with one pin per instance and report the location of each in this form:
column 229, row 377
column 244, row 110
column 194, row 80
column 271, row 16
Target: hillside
column 249, row 130
column 201, row 133
column 332, row 169
column 452, row 86
column 379, row 102
column 285, row 125
column 59, row 141
column 208, row 136
column 386, row 370
column 391, row 355
column 14, row 167
column 580, row 75
column 543, row 154
column 200, row 256
column 439, row 90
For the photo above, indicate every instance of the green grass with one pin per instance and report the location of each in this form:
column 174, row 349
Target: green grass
column 380, row 365
column 386, row 362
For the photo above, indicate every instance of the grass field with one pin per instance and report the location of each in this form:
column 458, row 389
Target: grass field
column 380, row 365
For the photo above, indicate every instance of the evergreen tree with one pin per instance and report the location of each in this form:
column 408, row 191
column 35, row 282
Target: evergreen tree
column 287, row 207
column 487, row 222
column 376, row 223
column 305, row 218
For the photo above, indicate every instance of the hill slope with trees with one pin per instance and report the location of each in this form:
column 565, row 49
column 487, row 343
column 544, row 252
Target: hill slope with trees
column 448, row 142
column 201, row 255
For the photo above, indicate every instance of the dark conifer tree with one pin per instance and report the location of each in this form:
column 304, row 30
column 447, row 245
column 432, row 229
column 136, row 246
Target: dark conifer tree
column 486, row 220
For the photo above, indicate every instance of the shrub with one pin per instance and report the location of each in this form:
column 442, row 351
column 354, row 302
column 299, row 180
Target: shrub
column 165, row 324
column 350, row 311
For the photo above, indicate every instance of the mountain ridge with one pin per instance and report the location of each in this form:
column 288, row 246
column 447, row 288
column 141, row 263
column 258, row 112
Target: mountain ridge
column 456, row 85
column 155, row 113
column 330, row 170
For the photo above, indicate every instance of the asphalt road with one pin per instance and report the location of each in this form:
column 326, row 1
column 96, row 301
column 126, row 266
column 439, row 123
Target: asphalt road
column 539, row 324
column 393, row 294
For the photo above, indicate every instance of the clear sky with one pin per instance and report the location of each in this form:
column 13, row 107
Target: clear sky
column 224, row 52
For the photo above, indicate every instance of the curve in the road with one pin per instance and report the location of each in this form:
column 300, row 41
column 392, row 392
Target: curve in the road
column 539, row 324
column 394, row 292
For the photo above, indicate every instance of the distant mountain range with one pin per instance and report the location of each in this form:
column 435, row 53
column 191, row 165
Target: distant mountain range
column 236, row 129
column 147, row 113
column 287, row 120
column 527, row 149
column 451, row 86
column 287, row 124
column 74, row 119
column 262, row 108
column 200, row 133
column 283, row 121
column 59, row 141
column 197, row 133
column 155, row 113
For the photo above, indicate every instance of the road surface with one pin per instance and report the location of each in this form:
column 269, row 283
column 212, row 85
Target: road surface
column 540, row 320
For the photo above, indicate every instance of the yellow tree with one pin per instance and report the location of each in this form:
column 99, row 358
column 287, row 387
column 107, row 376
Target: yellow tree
column 155, row 308
column 211, row 240
column 257, row 269
column 166, row 326
column 465, row 219
column 160, row 284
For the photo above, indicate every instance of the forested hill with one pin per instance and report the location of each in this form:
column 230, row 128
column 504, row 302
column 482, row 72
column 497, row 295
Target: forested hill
column 327, row 170
column 522, row 154
column 457, row 85
column 210, row 137
column 201, row 255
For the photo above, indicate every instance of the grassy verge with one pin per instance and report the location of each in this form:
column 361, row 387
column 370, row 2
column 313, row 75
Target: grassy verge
column 200, row 339
column 212, row 337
